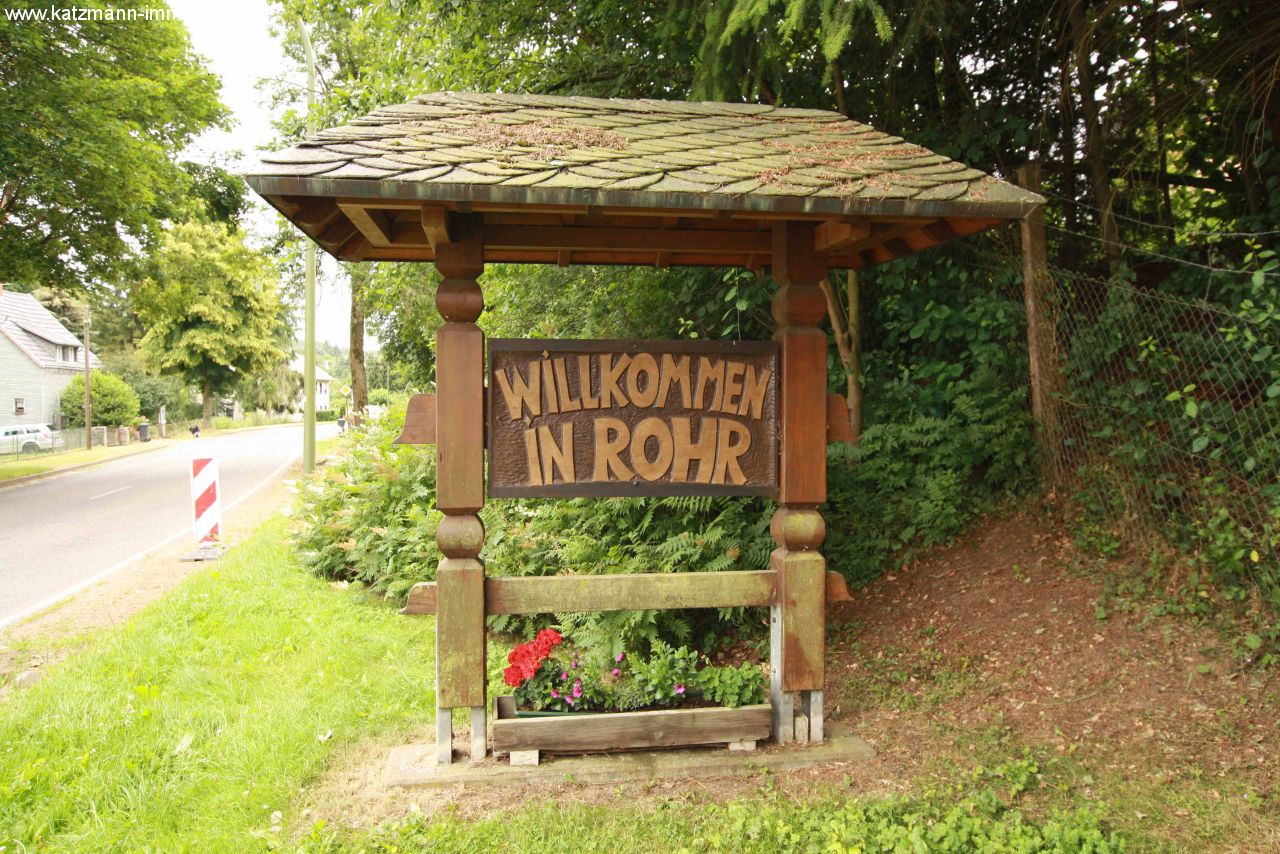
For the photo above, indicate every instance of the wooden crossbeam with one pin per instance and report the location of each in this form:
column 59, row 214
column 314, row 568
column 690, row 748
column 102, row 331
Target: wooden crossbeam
column 624, row 239
column 371, row 222
column 617, row 730
column 565, row 594
column 315, row 214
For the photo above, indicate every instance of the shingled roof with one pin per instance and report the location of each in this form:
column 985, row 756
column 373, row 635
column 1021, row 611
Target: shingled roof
column 507, row 152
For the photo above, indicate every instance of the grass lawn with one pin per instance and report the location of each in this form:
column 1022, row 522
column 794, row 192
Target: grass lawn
column 29, row 464
column 193, row 725
column 767, row 823
column 212, row 720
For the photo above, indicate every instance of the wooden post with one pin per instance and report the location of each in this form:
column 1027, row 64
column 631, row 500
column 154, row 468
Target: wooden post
column 460, row 629
column 1042, row 336
column 797, row 622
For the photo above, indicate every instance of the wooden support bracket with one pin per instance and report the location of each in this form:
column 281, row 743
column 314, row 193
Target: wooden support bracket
column 832, row 237
column 435, row 224
column 372, row 223
column 419, row 421
column 838, row 427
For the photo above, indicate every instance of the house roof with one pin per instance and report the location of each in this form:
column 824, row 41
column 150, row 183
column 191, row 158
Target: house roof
column 32, row 327
column 322, row 375
column 519, row 153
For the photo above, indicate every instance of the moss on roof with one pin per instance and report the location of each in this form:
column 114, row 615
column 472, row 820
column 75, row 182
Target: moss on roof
column 535, row 149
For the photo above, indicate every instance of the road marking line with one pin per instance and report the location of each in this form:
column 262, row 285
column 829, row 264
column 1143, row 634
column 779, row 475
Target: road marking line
column 114, row 568
column 110, row 492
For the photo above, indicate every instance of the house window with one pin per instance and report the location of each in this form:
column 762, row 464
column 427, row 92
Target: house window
column 19, row 406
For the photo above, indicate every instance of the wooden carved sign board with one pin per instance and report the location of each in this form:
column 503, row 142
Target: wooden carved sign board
column 570, row 418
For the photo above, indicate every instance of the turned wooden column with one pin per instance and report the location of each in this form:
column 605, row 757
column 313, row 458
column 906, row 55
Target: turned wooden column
column 798, row 620
column 460, row 627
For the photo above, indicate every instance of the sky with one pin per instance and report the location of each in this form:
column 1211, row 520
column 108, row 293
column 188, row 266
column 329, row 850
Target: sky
column 234, row 37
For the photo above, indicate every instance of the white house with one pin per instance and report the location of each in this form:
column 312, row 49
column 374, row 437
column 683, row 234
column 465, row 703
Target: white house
column 38, row 357
column 323, row 382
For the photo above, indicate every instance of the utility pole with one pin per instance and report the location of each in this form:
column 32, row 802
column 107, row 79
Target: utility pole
column 309, row 322
column 88, row 399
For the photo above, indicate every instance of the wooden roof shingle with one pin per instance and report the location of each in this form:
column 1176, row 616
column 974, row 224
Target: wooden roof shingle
column 628, row 156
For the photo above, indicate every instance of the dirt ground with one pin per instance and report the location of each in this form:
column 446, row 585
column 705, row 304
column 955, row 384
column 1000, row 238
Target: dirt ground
column 1000, row 646
column 993, row 648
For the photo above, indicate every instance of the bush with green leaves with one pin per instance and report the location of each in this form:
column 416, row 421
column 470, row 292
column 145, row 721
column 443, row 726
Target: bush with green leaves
column 370, row 517
column 1171, row 430
column 113, row 401
column 549, row 673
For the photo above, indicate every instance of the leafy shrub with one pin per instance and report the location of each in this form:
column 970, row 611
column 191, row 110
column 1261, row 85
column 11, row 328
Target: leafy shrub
column 939, row 823
column 1171, row 435
column 326, row 415
column 370, row 517
column 547, row 674
column 114, row 403
column 667, row 673
column 257, row 418
column 948, row 425
column 743, row 685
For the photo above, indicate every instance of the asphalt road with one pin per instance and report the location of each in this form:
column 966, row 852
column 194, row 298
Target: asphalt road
column 61, row 533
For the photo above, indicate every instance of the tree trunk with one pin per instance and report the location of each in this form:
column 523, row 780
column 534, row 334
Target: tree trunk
column 206, row 401
column 1094, row 142
column 845, row 325
column 359, row 382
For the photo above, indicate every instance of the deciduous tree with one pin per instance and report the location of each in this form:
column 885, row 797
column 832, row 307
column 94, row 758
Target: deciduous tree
column 93, row 115
column 212, row 310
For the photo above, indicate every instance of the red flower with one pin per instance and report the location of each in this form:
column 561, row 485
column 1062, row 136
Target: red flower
column 526, row 658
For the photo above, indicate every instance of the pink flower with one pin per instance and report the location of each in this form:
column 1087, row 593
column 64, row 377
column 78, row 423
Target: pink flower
column 555, row 695
column 575, row 664
column 564, row 674
column 679, row 689
column 615, row 671
column 569, row 700
column 577, row 688
column 618, row 657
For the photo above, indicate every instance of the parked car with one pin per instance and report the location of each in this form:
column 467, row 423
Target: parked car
column 26, row 438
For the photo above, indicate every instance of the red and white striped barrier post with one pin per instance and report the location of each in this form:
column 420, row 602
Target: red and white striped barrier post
column 205, row 500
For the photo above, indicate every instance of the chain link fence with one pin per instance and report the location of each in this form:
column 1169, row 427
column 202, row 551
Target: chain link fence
column 1165, row 422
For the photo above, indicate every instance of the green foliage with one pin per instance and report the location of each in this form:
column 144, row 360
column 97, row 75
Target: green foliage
column 370, row 517
column 724, row 685
column 574, row 678
column 1175, row 431
column 935, row 822
column 667, row 674
column 193, row 722
column 92, row 120
column 949, row 431
column 153, row 391
column 114, row 403
column 211, row 307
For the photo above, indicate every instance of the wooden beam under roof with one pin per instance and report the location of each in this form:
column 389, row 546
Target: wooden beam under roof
column 625, row 239
column 371, row 221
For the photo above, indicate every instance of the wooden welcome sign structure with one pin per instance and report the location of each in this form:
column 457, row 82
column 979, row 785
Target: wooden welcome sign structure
column 466, row 179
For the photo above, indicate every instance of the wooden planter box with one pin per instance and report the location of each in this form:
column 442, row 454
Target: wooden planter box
column 589, row 732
